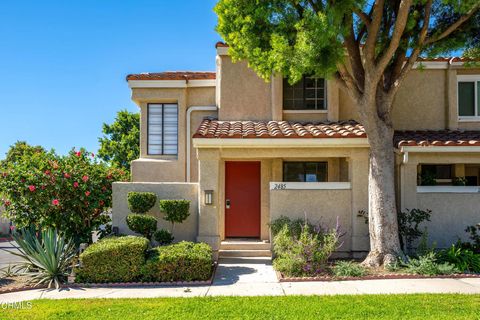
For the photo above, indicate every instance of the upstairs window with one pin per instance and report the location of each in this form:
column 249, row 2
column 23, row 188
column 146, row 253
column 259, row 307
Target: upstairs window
column 469, row 96
column 310, row 93
column 305, row 172
column 436, row 174
column 162, row 129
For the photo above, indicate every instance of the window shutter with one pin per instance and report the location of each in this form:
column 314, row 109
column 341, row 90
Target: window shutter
column 162, row 129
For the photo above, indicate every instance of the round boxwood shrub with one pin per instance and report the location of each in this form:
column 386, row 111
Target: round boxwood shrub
column 141, row 202
column 163, row 237
column 175, row 211
column 183, row 261
column 113, row 259
column 143, row 224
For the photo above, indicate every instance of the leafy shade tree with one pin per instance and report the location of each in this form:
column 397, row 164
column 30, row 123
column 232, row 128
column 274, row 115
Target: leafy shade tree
column 17, row 151
column 369, row 47
column 67, row 193
column 121, row 141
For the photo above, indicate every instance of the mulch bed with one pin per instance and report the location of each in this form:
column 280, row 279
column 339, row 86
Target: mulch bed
column 15, row 284
column 283, row 278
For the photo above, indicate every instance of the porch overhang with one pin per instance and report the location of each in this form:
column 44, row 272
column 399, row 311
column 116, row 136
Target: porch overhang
column 280, row 143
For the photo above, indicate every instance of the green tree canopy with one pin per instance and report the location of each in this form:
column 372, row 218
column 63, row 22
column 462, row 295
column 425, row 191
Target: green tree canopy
column 120, row 143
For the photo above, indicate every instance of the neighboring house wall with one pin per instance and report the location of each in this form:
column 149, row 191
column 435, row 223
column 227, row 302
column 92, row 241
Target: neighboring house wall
column 187, row 230
column 453, row 211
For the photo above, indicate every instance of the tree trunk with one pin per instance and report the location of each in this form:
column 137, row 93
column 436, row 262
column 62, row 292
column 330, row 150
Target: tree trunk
column 383, row 225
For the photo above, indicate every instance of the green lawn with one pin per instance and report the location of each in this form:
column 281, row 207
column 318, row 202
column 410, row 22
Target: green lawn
column 447, row 306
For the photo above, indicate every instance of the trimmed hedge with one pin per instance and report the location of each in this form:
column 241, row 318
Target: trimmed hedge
column 163, row 237
column 141, row 202
column 113, row 259
column 184, row 261
column 143, row 224
column 176, row 211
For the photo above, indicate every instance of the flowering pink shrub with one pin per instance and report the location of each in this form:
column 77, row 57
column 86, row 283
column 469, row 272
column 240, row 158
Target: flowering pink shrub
column 48, row 190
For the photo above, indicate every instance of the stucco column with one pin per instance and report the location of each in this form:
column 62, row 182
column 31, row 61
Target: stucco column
column 333, row 100
column 277, row 97
column 358, row 173
column 408, row 178
column 451, row 92
column 209, row 179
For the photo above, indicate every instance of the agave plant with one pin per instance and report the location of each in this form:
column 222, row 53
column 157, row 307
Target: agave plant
column 47, row 258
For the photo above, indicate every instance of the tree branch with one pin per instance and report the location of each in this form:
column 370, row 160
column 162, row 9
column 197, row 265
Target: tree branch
column 454, row 26
column 372, row 32
column 401, row 22
column 346, row 80
column 363, row 16
column 354, row 55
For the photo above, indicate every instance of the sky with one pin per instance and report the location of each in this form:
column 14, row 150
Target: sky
column 63, row 63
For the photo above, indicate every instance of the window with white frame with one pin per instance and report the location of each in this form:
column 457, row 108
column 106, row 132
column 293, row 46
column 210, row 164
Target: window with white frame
column 162, row 129
column 310, row 93
column 468, row 97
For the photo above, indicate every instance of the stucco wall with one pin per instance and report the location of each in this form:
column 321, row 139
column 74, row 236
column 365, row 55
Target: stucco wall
column 187, row 230
column 170, row 168
column 318, row 206
column 451, row 214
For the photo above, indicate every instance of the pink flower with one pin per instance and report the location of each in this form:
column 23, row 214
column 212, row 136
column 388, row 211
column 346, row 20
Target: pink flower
column 55, row 202
column 66, row 175
column 47, row 172
column 78, row 153
column 109, row 176
column 7, row 203
column 42, row 187
column 101, row 203
column 4, row 174
column 85, row 178
column 31, row 188
column 93, row 155
column 87, row 193
column 75, row 184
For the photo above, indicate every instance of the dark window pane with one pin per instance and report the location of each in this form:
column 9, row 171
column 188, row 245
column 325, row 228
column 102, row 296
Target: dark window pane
column 438, row 171
column 308, row 94
column 305, row 172
column 466, row 98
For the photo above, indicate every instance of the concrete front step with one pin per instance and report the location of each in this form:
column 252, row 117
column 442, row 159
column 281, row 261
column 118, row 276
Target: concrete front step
column 223, row 253
column 244, row 245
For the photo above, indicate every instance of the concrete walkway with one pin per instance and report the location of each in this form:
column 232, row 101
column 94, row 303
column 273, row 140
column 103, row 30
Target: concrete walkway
column 255, row 277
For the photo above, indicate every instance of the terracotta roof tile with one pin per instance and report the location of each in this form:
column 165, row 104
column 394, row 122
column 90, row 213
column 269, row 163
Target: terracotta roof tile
column 174, row 75
column 437, row 138
column 210, row 128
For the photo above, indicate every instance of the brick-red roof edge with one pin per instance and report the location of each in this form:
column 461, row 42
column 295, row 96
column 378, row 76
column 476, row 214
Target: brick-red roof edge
column 443, row 138
column 174, row 75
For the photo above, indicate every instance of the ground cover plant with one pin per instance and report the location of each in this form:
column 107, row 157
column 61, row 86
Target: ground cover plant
column 392, row 307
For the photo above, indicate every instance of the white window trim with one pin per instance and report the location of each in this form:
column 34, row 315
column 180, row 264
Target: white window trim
column 325, row 102
column 278, row 186
column 448, row 189
column 475, row 79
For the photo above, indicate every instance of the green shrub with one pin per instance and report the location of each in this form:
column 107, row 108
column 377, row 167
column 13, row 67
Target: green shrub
column 408, row 226
column 113, row 259
column 306, row 254
column 175, row 211
column 184, row 261
column 463, row 259
column 294, row 226
column 163, row 237
column 141, row 202
column 143, row 224
column 428, row 265
column 474, row 235
column 349, row 269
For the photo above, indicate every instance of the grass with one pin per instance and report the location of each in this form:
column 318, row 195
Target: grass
column 420, row 306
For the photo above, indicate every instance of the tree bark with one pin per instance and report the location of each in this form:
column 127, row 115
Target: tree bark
column 383, row 226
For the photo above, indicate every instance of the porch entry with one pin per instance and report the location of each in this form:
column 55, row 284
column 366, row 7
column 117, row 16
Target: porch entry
column 242, row 199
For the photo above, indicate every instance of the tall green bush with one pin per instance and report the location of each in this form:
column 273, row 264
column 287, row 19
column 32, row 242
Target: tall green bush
column 141, row 202
column 175, row 211
column 184, row 261
column 114, row 259
column 143, row 224
column 66, row 193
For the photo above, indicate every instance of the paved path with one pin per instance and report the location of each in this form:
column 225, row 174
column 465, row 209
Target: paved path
column 255, row 277
column 7, row 258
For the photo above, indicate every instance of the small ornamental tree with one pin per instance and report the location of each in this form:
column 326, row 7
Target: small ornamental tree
column 141, row 202
column 68, row 193
column 176, row 211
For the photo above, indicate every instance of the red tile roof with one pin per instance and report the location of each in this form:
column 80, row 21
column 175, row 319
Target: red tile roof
column 210, row 128
column 174, row 75
column 220, row 44
column 437, row 138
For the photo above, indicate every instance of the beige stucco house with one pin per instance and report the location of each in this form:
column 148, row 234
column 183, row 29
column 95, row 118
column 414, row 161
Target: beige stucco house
column 246, row 152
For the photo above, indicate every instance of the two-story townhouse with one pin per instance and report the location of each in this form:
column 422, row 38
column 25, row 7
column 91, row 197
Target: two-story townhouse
column 246, row 152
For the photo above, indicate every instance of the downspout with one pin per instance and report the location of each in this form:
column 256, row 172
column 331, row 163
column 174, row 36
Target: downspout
column 189, row 129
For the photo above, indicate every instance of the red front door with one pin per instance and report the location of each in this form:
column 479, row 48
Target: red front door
column 242, row 199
